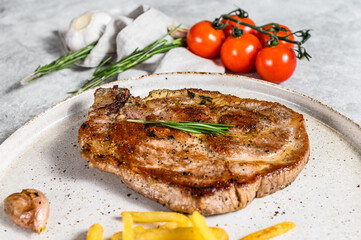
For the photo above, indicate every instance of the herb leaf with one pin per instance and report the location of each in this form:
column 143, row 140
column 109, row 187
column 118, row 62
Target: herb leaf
column 188, row 126
column 191, row 94
column 208, row 99
column 101, row 74
column 63, row 62
column 205, row 99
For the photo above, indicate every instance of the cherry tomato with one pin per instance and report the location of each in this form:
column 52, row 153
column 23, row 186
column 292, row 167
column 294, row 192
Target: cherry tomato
column 276, row 64
column 239, row 54
column 264, row 38
column 205, row 41
column 228, row 29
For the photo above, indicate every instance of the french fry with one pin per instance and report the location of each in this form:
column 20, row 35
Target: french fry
column 169, row 225
column 270, row 232
column 150, row 217
column 136, row 230
column 178, row 226
column 127, row 226
column 95, row 232
column 171, row 234
column 139, row 229
column 220, row 233
column 200, row 225
column 117, row 236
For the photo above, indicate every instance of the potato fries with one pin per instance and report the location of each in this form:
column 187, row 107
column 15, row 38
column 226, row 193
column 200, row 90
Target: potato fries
column 177, row 226
column 270, row 232
column 169, row 225
column 95, row 232
column 127, row 226
column 139, row 229
column 200, row 225
column 151, row 217
column 136, row 230
column 171, row 234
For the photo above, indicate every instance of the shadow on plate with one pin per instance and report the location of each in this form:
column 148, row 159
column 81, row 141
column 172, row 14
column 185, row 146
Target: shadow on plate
column 80, row 236
column 6, row 225
column 64, row 159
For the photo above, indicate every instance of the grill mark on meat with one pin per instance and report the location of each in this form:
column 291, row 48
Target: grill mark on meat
column 210, row 173
column 120, row 100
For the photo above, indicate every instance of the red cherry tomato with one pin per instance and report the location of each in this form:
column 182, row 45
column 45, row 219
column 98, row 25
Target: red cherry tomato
column 228, row 29
column 205, row 41
column 276, row 64
column 239, row 54
column 264, row 38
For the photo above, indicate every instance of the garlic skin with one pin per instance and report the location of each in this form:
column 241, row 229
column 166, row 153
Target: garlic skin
column 86, row 29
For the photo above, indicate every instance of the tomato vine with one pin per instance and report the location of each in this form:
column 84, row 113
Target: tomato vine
column 271, row 32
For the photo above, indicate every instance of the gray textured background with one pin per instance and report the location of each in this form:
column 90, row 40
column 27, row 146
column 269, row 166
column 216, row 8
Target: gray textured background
column 28, row 38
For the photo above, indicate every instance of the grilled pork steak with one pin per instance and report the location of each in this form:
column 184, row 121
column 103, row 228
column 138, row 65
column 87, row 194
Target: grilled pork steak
column 213, row 174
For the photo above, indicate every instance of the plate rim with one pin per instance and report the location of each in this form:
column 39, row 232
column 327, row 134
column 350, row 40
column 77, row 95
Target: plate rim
column 84, row 98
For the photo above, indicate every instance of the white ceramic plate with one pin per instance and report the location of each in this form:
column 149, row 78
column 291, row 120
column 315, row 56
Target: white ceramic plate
column 324, row 201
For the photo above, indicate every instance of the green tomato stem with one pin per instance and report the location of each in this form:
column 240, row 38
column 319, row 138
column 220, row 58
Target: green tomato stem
column 274, row 39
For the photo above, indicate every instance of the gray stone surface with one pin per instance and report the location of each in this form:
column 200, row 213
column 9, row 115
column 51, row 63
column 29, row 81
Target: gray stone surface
column 28, row 38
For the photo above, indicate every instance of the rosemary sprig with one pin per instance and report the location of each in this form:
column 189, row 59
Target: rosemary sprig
column 101, row 74
column 192, row 127
column 274, row 39
column 66, row 61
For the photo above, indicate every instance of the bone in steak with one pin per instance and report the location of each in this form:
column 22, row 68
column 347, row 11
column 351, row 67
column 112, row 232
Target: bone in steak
column 214, row 174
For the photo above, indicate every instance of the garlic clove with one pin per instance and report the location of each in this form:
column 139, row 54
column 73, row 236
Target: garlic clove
column 28, row 209
column 83, row 21
column 179, row 32
column 86, row 29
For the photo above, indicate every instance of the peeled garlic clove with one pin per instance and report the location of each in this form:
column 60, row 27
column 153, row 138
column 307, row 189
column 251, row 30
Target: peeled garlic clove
column 86, row 29
column 28, row 209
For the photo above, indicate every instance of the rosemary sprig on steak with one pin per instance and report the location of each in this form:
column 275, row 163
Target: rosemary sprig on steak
column 192, row 127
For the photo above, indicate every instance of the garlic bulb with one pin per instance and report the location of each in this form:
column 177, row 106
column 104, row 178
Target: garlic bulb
column 86, row 29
